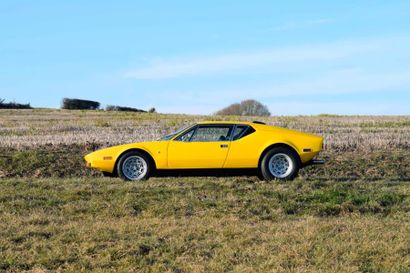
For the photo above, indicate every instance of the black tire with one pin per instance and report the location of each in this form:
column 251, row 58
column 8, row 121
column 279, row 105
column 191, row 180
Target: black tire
column 121, row 169
column 284, row 154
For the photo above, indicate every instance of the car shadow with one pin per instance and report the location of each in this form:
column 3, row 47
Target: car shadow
column 205, row 172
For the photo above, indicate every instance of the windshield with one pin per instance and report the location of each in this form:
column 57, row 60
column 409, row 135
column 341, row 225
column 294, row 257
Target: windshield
column 168, row 137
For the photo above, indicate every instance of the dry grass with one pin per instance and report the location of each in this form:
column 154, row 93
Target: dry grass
column 33, row 128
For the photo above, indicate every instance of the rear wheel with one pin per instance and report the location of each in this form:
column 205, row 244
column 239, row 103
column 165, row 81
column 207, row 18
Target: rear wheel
column 134, row 166
column 280, row 163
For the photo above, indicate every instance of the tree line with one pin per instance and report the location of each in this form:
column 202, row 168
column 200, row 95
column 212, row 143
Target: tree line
column 78, row 104
column 244, row 108
column 13, row 105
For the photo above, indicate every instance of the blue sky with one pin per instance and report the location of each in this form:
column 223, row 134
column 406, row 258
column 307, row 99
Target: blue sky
column 297, row 57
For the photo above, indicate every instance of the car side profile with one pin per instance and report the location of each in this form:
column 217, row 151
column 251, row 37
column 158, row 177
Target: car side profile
column 276, row 153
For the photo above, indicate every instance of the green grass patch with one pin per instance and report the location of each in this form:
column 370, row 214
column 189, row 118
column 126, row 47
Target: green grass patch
column 203, row 225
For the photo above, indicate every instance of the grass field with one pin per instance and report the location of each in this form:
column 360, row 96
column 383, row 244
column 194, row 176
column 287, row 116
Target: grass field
column 351, row 215
column 204, row 225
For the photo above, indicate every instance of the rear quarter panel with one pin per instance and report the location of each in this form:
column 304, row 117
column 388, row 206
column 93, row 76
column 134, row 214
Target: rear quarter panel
column 246, row 152
column 306, row 145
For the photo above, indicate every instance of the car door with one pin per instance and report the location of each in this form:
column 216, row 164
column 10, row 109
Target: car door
column 203, row 147
column 244, row 149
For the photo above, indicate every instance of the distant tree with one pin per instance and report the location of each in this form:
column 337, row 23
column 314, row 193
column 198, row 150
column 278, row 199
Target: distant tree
column 77, row 104
column 152, row 110
column 245, row 108
column 13, row 105
column 123, row 108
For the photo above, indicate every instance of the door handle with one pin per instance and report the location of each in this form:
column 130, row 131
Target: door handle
column 224, row 145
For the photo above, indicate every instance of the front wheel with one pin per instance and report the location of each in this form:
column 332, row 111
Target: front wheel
column 134, row 166
column 280, row 163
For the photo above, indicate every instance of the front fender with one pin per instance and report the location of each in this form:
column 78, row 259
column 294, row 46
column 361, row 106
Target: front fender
column 105, row 159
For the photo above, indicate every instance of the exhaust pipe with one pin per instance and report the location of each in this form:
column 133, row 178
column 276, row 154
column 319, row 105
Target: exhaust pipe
column 317, row 162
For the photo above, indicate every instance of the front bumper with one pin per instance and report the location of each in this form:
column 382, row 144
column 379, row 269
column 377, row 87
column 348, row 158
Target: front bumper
column 99, row 162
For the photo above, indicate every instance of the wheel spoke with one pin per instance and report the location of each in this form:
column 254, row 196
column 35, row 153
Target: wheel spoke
column 134, row 167
column 280, row 165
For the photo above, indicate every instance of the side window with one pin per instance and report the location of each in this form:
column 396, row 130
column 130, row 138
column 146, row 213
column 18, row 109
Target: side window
column 242, row 131
column 212, row 133
column 185, row 137
column 238, row 131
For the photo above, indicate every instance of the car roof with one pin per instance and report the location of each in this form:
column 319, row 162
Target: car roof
column 227, row 122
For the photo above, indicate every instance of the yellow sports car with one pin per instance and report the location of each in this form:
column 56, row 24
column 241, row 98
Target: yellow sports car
column 276, row 153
